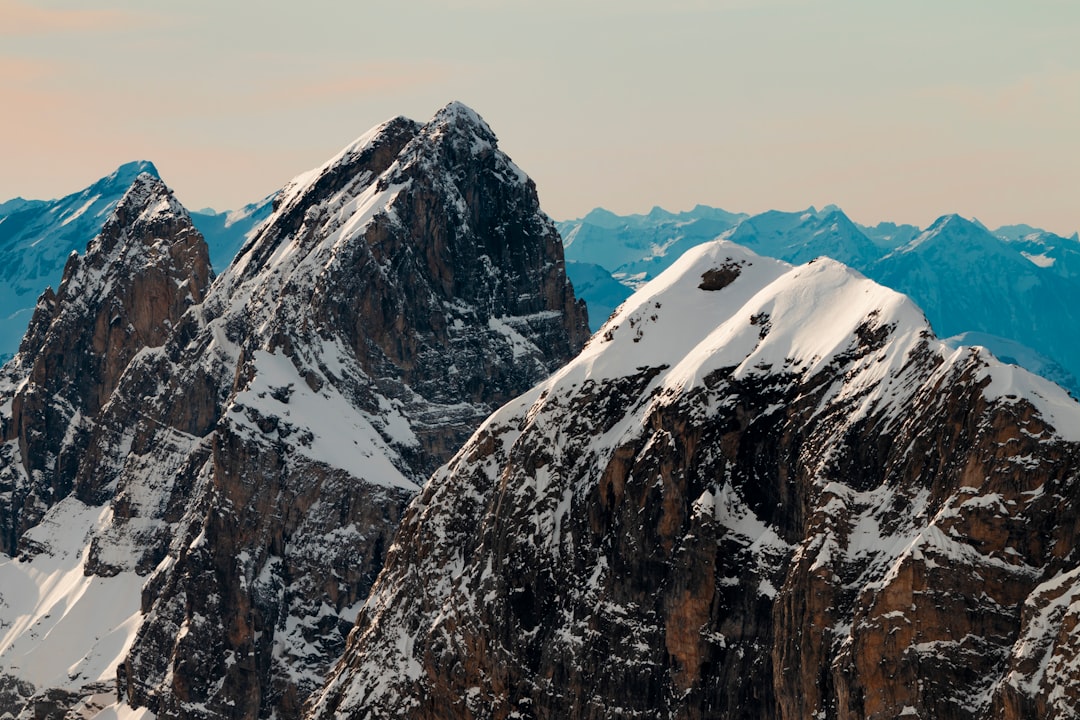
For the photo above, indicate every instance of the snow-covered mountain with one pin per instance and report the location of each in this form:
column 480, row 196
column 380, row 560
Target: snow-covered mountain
column 37, row 236
column 365, row 471
column 969, row 280
column 1017, row 286
column 228, row 482
column 760, row 491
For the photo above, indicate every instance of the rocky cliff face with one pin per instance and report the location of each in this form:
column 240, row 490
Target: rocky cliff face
column 252, row 469
column 138, row 277
column 760, row 491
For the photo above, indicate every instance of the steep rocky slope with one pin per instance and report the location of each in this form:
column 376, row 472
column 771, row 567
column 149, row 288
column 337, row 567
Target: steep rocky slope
column 251, row 470
column 147, row 266
column 59, row 627
column 759, row 492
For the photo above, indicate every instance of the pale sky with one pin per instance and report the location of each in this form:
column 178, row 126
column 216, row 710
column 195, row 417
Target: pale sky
column 901, row 110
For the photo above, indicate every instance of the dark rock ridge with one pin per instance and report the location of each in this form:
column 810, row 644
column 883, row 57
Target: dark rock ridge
column 138, row 277
column 776, row 496
column 256, row 464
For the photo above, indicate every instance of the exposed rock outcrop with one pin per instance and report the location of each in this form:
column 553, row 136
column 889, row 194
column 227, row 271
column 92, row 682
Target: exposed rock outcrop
column 776, row 496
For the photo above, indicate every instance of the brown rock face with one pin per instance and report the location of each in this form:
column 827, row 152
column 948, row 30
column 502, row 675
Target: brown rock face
column 768, row 516
column 137, row 278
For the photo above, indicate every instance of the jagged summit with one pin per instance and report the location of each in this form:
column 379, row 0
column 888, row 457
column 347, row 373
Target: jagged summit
column 461, row 122
column 147, row 212
column 126, row 293
column 249, row 466
column 37, row 236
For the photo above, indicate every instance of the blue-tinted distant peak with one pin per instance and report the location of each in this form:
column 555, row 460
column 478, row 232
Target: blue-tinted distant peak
column 120, row 179
column 603, row 218
column 953, row 223
column 955, row 233
column 659, row 213
column 832, row 213
column 132, row 170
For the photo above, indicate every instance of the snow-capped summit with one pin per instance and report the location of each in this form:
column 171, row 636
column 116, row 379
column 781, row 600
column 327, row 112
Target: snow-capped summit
column 1019, row 289
column 951, row 234
column 632, row 249
column 752, row 472
column 36, row 237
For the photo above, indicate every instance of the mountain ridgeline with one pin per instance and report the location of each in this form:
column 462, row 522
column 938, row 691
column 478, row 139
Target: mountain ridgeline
column 1013, row 290
column 377, row 468
column 759, row 492
column 252, row 451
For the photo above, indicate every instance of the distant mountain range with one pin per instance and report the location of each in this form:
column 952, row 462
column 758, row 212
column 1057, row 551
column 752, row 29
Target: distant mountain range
column 1015, row 290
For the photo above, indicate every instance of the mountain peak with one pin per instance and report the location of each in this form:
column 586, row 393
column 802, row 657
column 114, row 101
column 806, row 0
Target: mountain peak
column 951, row 220
column 148, row 210
column 460, row 114
column 603, row 218
column 123, row 176
column 658, row 212
column 458, row 132
column 952, row 227
column 136, row 167
column 145, row 188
